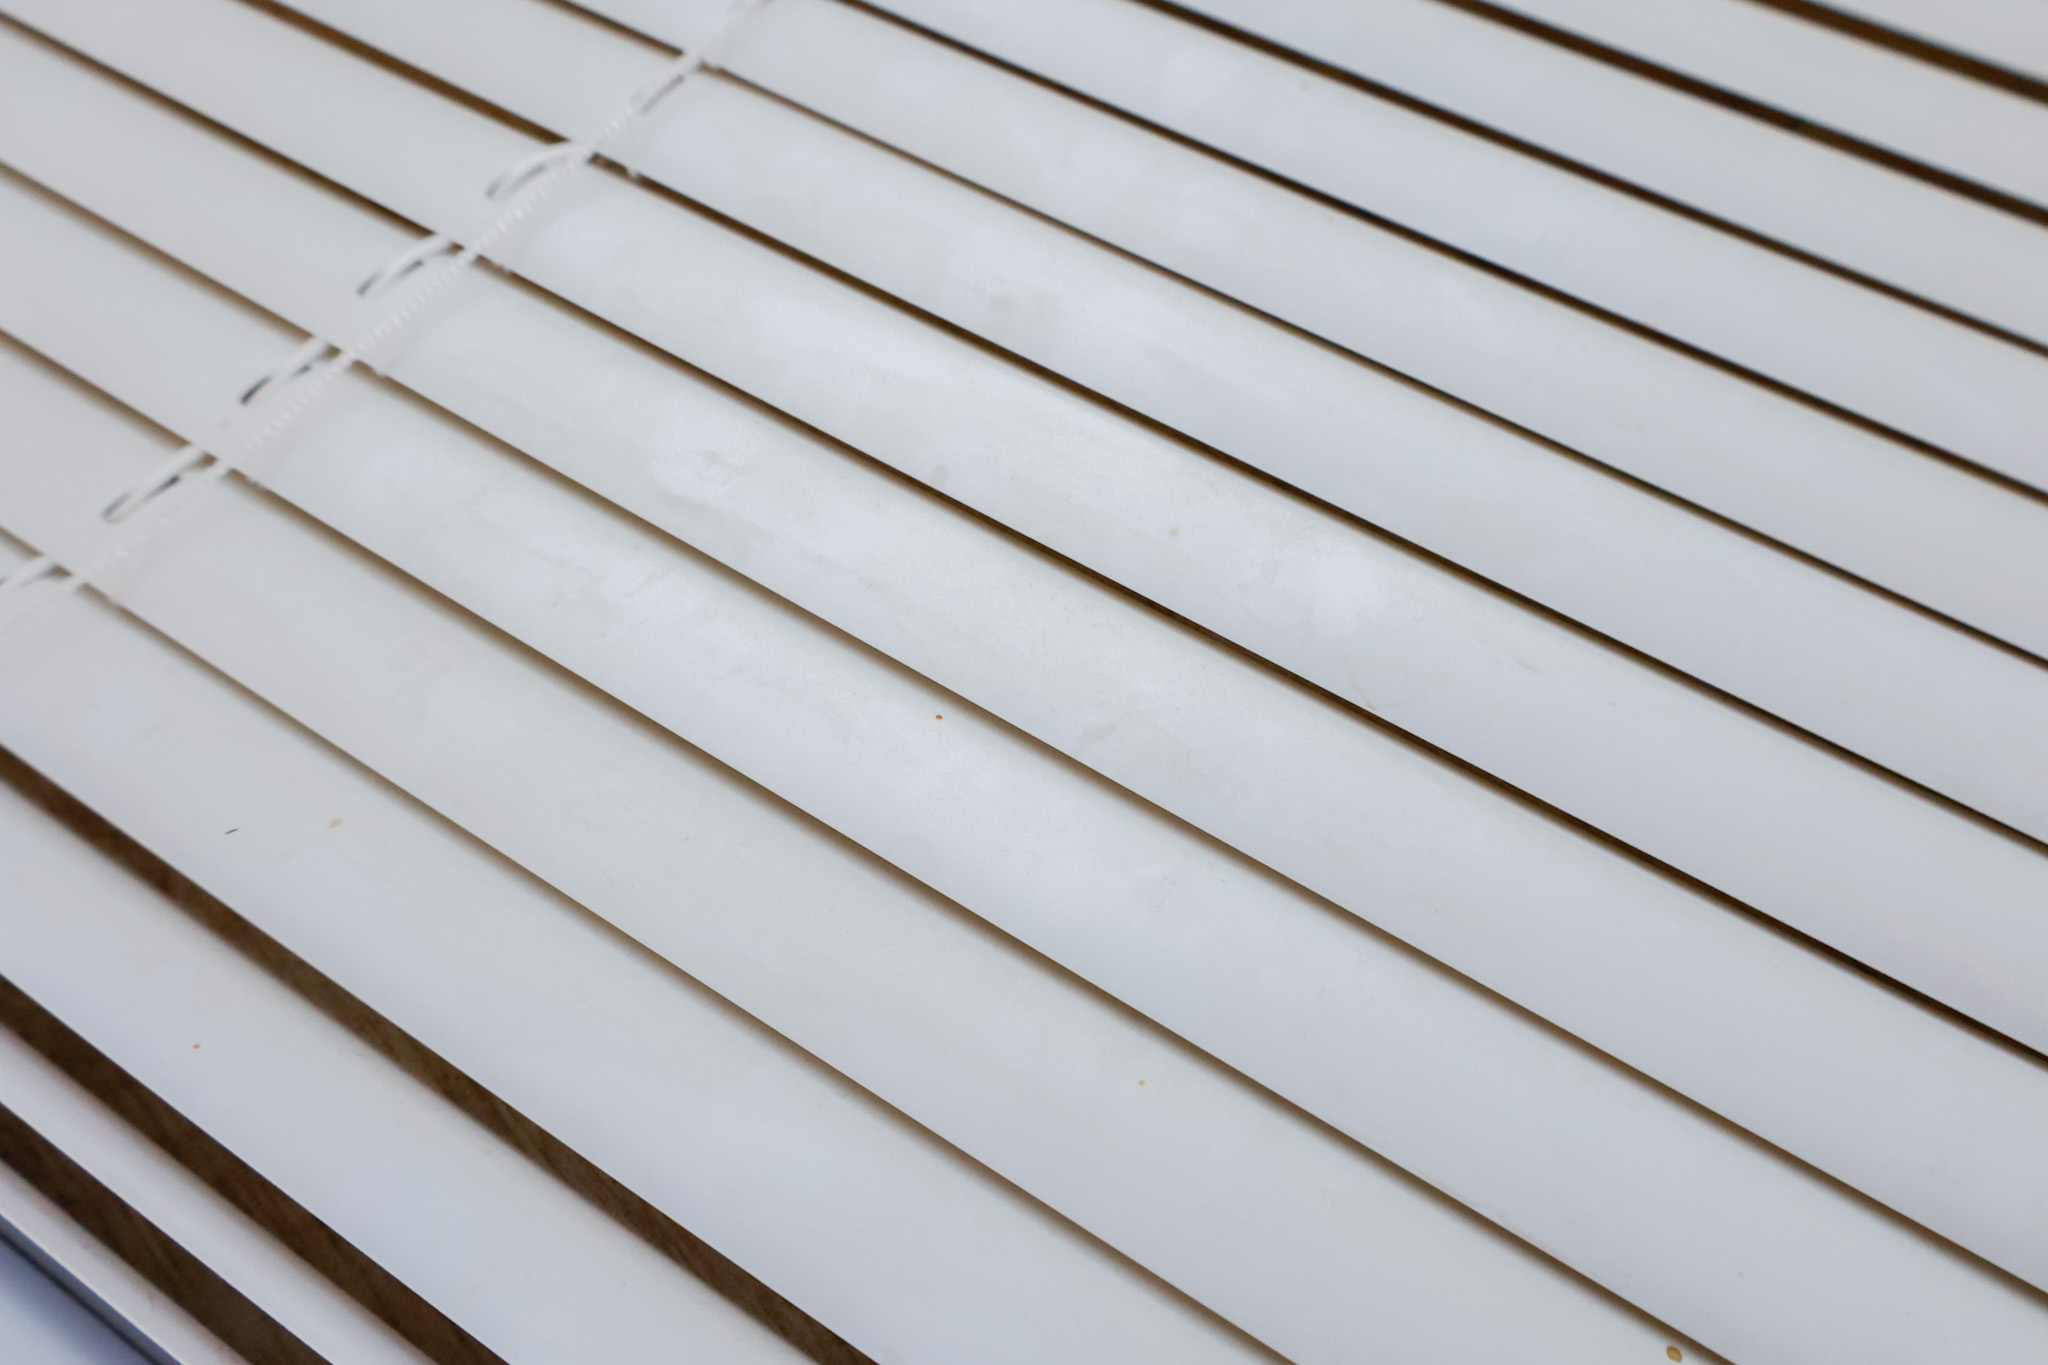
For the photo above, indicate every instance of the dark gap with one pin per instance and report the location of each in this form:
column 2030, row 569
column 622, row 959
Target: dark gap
column 370, row 1284
column 184, row 1278
column 319, row 1245
column 2011, row 81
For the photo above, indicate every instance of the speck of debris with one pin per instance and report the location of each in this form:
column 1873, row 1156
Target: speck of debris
column 231, row 831
column 938, row 717
column 334, row 823
column 1674, row 1353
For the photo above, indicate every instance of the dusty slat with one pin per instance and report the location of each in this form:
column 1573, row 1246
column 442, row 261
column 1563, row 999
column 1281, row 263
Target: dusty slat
column 1261, row 392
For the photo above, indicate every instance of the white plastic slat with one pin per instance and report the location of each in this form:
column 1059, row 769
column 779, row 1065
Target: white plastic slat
column 1799, row 643
column 872, row 779
column 1325, row 1249
column 1836, row 205
column 525, row 1265
column 906, row 1249
column 1970, row 393
column 986, row 802
column 1858, row 500
column 1844, row 208
column 2014, row 36
column 926, row 239
column 1834, row 79
column 1883, row 885
column 189, row 1212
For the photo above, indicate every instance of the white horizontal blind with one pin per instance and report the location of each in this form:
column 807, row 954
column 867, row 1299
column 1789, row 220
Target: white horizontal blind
column 752, row 741
column 795, row 774
column 1093, row 897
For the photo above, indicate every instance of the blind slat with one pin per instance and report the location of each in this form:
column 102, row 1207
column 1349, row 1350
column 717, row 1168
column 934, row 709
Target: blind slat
column 177, row 1202
column 1294, row 409
column 525, row 1265
column 1838, row 81
column 1969, row 393
column 1887, row 225
column 1841, row 493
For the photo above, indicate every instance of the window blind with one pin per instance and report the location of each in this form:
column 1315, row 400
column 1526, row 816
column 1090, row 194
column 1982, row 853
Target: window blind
column 1122, row 793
